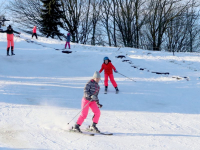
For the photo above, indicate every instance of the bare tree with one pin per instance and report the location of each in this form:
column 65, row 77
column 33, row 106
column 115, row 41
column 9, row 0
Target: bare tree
column 139, row 21
column 176, row 35
column 159, row 17
column 105, row 20
column 124, row 19
column 129, row 20
column 2, row 7
column 73, row 12
column 96, row 10
column 26, row 12
column 2, row 12
column 114, row 22
column 108, row 20
column 85, row 24
column 192, row 24
column 181, row 36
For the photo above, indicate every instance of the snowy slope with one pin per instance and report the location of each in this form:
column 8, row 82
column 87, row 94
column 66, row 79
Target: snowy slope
column 41, row 90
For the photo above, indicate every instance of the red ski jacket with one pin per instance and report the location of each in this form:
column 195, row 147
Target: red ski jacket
column 108, row 68
column 34, row 29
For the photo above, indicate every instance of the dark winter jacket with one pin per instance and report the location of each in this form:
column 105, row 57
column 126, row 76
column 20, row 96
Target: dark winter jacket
column 68, row 37
column 91, row 88
column 9, row 31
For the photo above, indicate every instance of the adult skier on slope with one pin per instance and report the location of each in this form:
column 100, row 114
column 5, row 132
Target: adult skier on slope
column 90, row 100
column 10, row 39
column 108, row 68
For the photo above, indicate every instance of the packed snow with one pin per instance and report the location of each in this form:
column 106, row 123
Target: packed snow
column 41, row 90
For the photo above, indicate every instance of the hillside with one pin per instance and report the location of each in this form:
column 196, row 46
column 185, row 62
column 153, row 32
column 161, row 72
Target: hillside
column 41, row 90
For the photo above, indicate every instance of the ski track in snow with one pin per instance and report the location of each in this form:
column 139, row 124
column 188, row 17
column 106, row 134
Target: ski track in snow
column 41, row 90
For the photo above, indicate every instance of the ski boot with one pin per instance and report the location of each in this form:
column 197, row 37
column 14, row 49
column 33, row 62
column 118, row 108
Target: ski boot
column 76, row 128
column 12, row 51
column 8, row 51
column 106, row 89
column 94, row 128
column 117, row 90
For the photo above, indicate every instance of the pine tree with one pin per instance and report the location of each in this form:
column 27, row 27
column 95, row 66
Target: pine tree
column 51, row 18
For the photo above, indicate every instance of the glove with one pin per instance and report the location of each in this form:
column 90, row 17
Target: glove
column 99, row 105
column 116, row 71
column 94, row 98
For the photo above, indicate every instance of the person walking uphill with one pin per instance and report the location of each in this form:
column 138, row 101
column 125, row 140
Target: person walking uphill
column 108, row 68
column 90, row 100
column 68, row 41
column 10, row 39
column 34, row 32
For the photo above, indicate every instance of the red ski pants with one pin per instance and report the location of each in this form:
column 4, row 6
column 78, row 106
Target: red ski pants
column 112, row 80
column 10, row 41
column 95, row 109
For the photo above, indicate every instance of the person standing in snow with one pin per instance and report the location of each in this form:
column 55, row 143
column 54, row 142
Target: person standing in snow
column 10, row 39
column 90, row 100
column 34, row 32
column 108, row 68
column 68, row 41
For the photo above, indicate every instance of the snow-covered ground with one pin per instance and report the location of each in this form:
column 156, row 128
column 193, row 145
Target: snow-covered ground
column 41, row 90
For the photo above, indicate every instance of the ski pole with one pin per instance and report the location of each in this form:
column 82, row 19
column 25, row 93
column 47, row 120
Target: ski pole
column 119, row 48
column 80, row 111
column 101, row 81
column 126, row 77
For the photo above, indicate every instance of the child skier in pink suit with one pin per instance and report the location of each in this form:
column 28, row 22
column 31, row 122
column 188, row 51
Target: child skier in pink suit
column 108, row 68
column 68, row 41
column 90, row 100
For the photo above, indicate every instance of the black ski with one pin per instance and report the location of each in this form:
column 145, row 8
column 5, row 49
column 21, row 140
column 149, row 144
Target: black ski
column 84, row 133
column 115, row 92
column 105, row 133
column 102, row 133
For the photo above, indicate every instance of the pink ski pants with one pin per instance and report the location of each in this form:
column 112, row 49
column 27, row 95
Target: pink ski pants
column 67, row 43
column 10, row 40
column 95, row 109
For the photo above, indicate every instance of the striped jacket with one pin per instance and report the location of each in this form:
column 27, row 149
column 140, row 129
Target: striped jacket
column 91, row 88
